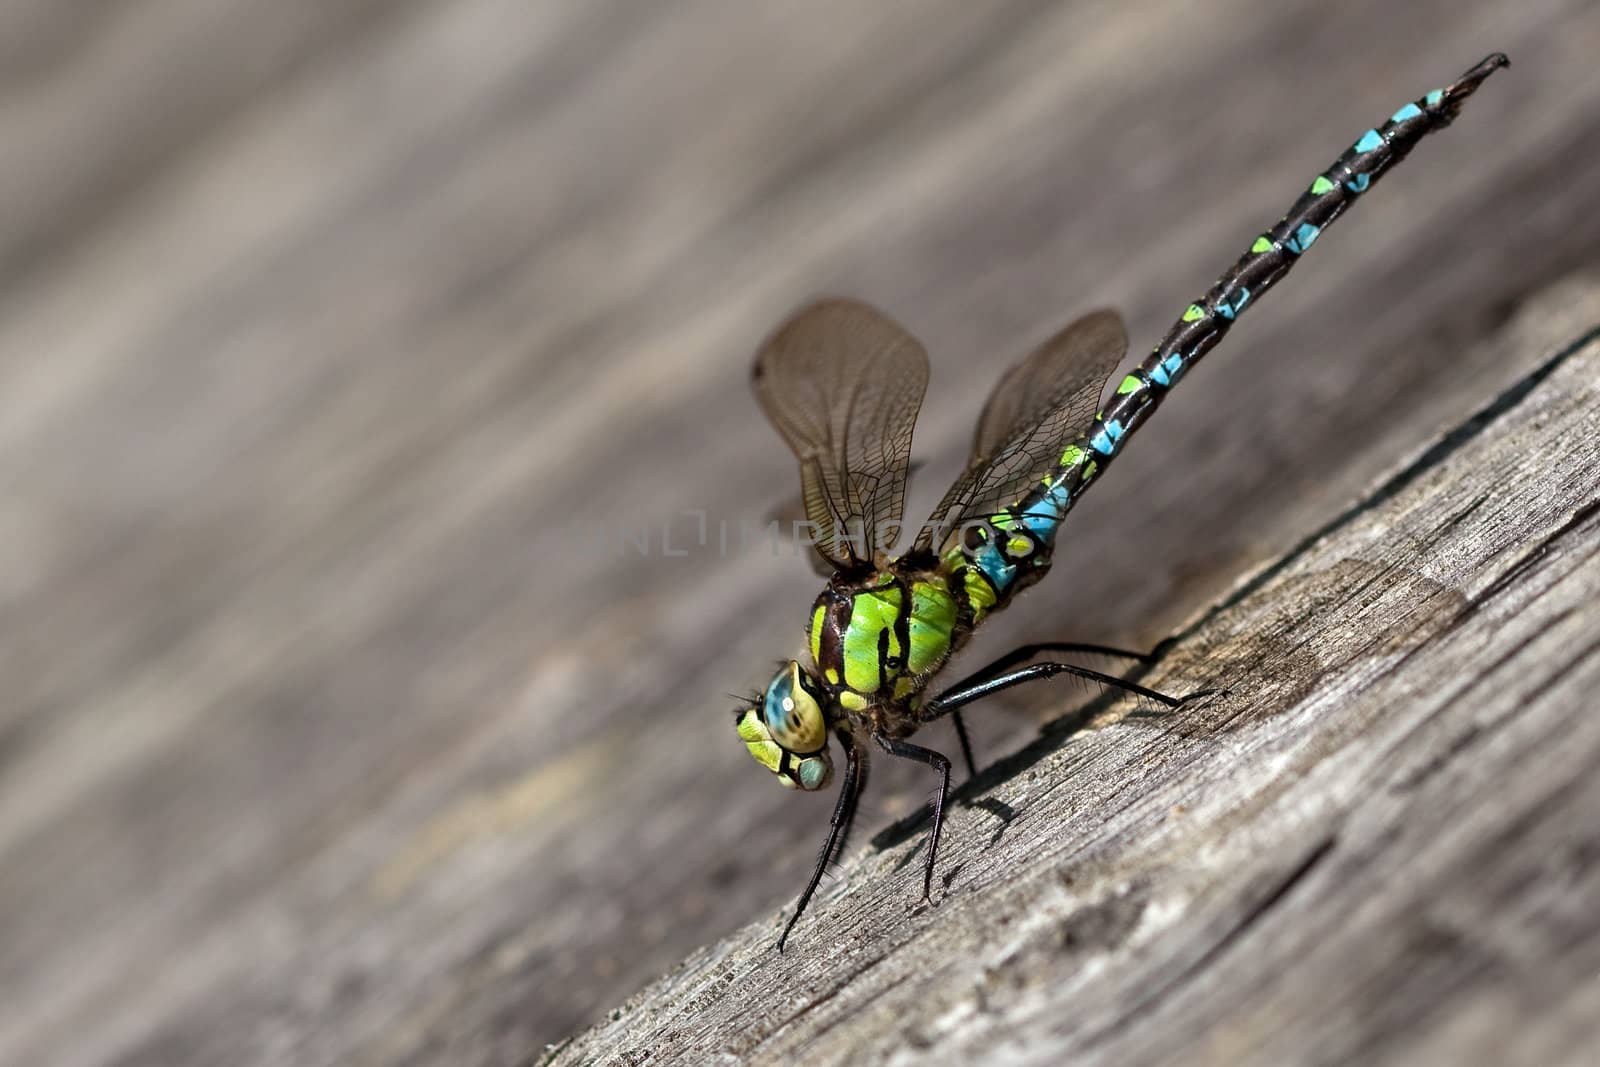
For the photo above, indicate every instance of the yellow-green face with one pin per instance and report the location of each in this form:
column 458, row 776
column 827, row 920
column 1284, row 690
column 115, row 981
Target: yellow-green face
column 787, row 732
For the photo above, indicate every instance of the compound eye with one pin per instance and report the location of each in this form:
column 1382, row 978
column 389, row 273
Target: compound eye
column 791, row 713
column 793, row 772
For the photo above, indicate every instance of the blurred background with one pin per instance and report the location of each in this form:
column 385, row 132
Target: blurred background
column 338, row 341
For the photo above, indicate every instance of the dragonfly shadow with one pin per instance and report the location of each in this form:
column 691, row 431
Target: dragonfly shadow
column 1052, row 735
column 1001, row 811
column 910, row 823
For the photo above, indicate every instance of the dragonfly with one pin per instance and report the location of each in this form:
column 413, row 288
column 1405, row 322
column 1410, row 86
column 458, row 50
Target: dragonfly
column 842, row 383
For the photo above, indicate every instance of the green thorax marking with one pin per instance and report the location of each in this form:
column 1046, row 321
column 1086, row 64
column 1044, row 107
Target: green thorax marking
column 870, row 640
column 873, row 651
column 933, row 624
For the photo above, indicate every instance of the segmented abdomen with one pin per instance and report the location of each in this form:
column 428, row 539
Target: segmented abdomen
column 1018, row 552
column 1271, row 255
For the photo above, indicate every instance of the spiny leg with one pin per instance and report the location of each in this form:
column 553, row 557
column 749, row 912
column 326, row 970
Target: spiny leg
column 1017, row 655
column 1027, row 652
column 966, row 743
column 844, row 811
column 936, row 760
column 965, row 692
column 1020, row 655
column 863, row 768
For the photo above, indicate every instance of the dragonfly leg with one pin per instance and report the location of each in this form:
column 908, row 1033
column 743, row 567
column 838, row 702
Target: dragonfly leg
column 936, row 760
column 844, row 811
column 1022, row 655
column 966, row 744
column 1027, row 652
column 1017, row 655
column 968, row 690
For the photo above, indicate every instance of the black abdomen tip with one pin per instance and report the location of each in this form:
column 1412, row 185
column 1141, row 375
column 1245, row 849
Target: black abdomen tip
column 1469, row 82
column 1490, row 64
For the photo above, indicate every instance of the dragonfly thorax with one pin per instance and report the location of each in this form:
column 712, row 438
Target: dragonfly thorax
column 874, row 641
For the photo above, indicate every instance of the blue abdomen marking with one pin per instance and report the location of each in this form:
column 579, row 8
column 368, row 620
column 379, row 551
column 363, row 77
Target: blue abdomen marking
column 1166, row 372
column 1303, row 236
column 1369, row 141
column 992, row 562
column 1104, row 440
column 1044, row 516
column 1230, row 306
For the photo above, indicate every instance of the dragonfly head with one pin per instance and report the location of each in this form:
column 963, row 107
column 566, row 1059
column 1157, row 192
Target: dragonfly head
column 786, row 730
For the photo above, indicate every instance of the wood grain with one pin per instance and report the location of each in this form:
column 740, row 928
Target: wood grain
column 1382, row 844
column 327, row 330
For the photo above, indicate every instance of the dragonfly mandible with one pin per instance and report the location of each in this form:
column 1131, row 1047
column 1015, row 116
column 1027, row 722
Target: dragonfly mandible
column 842, row 383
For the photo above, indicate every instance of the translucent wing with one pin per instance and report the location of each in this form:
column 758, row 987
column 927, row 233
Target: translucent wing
column 790, row 515
column 842, row 383
column 1037, row 407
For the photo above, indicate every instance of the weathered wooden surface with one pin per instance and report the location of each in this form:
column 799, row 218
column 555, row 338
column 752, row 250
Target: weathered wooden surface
column 321, row 324
column 1383, row 842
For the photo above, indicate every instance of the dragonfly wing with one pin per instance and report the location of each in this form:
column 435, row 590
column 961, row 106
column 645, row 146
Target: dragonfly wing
column 842, row 383
column 1036, row 409
column 790, row 515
